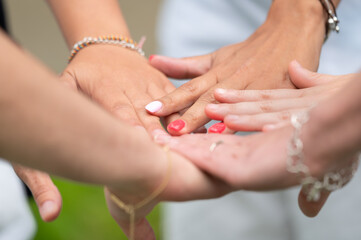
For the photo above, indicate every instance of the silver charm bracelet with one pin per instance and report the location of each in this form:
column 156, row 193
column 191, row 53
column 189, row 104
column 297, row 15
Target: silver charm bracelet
column 332, row 20
column 295, row 164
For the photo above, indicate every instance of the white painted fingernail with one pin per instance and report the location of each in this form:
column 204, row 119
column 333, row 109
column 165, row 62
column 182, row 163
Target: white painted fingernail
column 154, row 106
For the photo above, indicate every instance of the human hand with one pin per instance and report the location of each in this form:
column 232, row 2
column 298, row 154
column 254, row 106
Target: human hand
column 259, row 162
column 45, row 193
column 120, row 80
column 255, row 110
column 170, row 185
column 260, row 62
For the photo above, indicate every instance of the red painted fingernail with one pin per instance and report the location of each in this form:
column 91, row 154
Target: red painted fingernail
column 177, row 125
column 151, row 57
column 217, row 128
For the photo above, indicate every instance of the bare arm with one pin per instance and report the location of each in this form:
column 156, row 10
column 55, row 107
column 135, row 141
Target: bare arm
column 83, row 18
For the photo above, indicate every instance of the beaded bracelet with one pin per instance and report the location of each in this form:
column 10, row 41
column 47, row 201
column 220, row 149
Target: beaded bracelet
column 312, row 186
column 116, row 40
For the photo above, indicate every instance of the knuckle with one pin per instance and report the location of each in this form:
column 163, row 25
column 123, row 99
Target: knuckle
column 42, row 192
column 189, row 88
column 284, row 115
column 265, row 106
column 266, row 94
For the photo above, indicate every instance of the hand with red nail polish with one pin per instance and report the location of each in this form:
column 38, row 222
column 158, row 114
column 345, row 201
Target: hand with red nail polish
column 217, row 128
column 260, row 62
column 256, row 110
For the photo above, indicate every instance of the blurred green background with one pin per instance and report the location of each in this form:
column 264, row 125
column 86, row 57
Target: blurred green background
column 84, row 214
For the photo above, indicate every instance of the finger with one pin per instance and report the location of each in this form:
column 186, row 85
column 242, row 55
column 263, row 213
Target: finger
column 309, row 208
column 46, row 194
column 274, row 126
column 182, row 97
column 303, row 78
column 193, row 118
column 220, row 111
column 235, row 96
column 258, row 121
column 68, row 80
column 183, row 68
column 220, row 128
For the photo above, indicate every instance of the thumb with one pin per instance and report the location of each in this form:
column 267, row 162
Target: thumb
column 303, row 78
column 182, row 68
column 68, row 80
column 45, row 193
column 309, row 208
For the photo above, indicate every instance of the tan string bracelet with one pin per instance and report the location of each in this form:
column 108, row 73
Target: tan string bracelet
column 132, row 208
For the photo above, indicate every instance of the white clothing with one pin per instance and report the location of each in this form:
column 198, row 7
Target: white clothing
column 16, row 219
column 195, row 27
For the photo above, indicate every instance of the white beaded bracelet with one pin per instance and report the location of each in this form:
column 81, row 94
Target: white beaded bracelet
column 116, row 40
column 295, row 164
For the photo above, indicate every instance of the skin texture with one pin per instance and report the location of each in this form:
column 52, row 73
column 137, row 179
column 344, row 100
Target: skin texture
column 258, row 110
column 63, row 133
column 260, row 62
column 93, row 72
column 258, row 161
column 120, row 80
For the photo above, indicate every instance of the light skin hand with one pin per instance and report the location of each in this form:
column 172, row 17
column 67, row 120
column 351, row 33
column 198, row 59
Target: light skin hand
column 258, row 161
column 118, row 79
column 73, row 138
column 45, row 193
column 121, row 81
column 255, row 110
column 260, row 62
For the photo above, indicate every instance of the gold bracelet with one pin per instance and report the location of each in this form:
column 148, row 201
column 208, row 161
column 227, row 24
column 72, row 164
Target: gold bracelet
column 131, row 208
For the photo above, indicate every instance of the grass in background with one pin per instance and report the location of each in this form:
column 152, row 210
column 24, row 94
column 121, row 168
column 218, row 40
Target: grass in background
column 84, row 216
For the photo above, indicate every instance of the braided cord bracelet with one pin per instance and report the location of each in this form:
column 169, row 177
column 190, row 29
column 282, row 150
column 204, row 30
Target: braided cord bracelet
column 115, row 40
column 130, row 209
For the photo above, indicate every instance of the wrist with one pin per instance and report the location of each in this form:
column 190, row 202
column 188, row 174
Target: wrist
column 303, row 18
column 331, row 136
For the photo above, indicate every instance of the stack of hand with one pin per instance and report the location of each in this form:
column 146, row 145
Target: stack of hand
column 88, row 144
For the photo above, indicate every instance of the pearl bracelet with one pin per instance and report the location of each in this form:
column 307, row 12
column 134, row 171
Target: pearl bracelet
column 116, row 40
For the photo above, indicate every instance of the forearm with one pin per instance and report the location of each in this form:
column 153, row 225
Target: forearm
column 88, row 18
column 48, row 127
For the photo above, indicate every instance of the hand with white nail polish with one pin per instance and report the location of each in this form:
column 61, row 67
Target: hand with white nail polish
column 256, row 110
column 259, row 62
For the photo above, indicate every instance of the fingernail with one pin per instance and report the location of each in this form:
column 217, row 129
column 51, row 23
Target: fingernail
column 154, row 106
column 217, row 128
column 177, row 125
column 295, row 62
column 151, row 57
column 157, row 133
column 47, row 208
column 212, row 106
column 162, row 139
column 220, row 90
column 232, row 117
column 268, row 127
